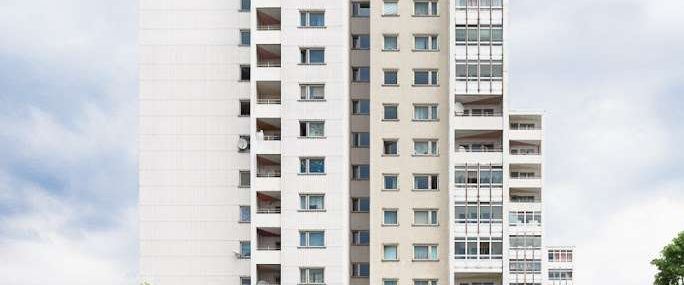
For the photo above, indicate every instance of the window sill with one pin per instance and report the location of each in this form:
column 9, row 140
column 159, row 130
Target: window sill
column 357, row 82
column 424, row 190
column 311, row 247
column 425, row 226
column 244, row 10
column 425, row 260
column 360, row 114
column 390, row 85
column 243, row 116
column 431, row 120
column 312, row 27
column 360, row 179
column 390, row 260
column 353, row 244
column 243, row 187
column 425, row 50
column 425, row 155
column 390, row 190
column 322, row 63
column 390, row 15
column 357, row 16
column 368, row 48
column 244, row 80
column 244, row 45
column 390, row 120
column 311, row 211
column 390, row 50
column 390, row 155
column 244, row 222
column 425, row 16
column 360, row 212
column 425, row 85
column 390, row 226
column 310, row 174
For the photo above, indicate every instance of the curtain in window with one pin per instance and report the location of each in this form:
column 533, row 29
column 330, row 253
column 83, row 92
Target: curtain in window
column 317, row 92
column 390, row 253
column 390, row 42
column 420, row 252
column 421, row 43
column 316, row 239
column 421, row 182
column 316, row 166
column 421, row 148
column 421, row 8
column 421, row 113
column 421, row 217
column 390, row 217
column 316, row 19
column 433, row 253
column 434, row 42
column 390, row 182
column 390, row 8
column 316, row 129
column 315, row 202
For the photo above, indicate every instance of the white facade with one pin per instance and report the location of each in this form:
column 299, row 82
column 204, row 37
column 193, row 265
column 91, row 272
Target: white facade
column 344, row 142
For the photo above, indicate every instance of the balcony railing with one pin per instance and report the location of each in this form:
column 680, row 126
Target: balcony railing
column 268, row 173
column 268, row 63
column 525, row 152
column 274, row 101
column 268, row 27
column 462, row 114
column 268, row 248
column 268, row 136
column 524, row 128
column 268, row 211
column 526, row 177
column 495, row 149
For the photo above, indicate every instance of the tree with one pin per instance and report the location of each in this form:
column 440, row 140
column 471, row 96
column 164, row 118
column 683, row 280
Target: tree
column 670, row 264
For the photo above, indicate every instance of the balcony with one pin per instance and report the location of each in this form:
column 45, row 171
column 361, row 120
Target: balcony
column 268, row 19
column 268, row 55
column 525, row 152
column 268, row 202
column 268, row 172
column 525, row 176
column 478, row 146
column 268, row 274
column 525, row 195
column 525, row 127
column 268, row 92
column 268, row 239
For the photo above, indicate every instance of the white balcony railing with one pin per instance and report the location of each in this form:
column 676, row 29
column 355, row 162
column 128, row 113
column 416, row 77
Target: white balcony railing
column 274, row 101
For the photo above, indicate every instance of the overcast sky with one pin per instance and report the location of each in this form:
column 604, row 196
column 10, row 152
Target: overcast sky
column 609, row 74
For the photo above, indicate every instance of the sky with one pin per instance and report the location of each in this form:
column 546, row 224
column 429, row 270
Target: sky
column 609, row 76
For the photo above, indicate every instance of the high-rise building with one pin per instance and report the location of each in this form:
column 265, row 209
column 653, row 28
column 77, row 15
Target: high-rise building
column 336, row 142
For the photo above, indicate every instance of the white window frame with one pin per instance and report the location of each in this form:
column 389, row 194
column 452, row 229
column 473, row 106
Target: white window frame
column 307, row 94
column 396, row 9
column 307, row 55
column 432, row 251
column 384, row 106
column 396, row 211
column 307, row 240
column 308, row 124
column 432, row 111
column 433, row 8
column 307, row 18
column 308, row 165
column 356, row 269
column 430, row 177
column 356, row 140
column 396, row 251
column 384, row 176
column 305, row 275
column 432, row 214
column 433, row 80
column 432, row 42
column 308, row 204
column 386, row 36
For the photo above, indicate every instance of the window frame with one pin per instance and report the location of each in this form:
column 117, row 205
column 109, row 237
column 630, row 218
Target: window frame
column 305, row 16
column 305, row 55
column 307, row 131
column 306, row 234
column 306, row 94
column 307, row 165
column 306, row 199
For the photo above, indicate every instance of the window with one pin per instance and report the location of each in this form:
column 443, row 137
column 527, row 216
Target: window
column 485, row 176
column 425, row 252
column 425, row 77
column 311, row 166
column 360, row 270
column 425, row 112
column 390, row 112
column 244, row 179
column 245, row 214
column 560, row 255
column 560, row 274
column 360, row 238
column 311, row 202
column 390, row 8
column 360, row 74
column 245, row 5
column 311, row 275
column 425, row 217
column 390, row 217
column 483, row 212
column 523, row 218
column 245, row 37
column 311, row 239
column 425, row 8
column 360, row 9
column 529, row 266
column 478, row 248
column 525, row 242
column 425, row 182
column 360, row 205
column 360, row 172
column 360, row 41
column 244, row 108
column 426, row 42
column 390, row 77
column 360, row 139
column 391, row 182
column 312, row 56
column 360, row 107
column 486, row 70
column 244, row 72
column 389, row 282
column 245, row 249
column 424, row 282
column 245, row 281
column 389, row 147
column 425, row 147
column 312, row 91
column 390, row 42
column 311, row 18
column 312, row 129
column 390, row 252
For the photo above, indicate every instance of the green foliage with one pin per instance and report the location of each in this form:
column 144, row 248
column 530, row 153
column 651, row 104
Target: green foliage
column 671, row 263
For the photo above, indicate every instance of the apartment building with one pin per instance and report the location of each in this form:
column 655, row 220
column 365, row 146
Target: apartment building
column 336, row 142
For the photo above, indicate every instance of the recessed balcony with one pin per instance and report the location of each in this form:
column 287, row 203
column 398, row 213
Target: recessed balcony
column 484, row 114
column 268, row 274
column 268, row 92
column 525, row 176
column 268, row 55
column 268, row 165
column 268, row 239
column 268, row 19
column 525, row 127
column 268, row 135
column 268, row 202
column 478, row 146
column 525, row 195
column 525, row 152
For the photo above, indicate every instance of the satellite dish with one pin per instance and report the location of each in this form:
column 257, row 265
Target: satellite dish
column 243, row 144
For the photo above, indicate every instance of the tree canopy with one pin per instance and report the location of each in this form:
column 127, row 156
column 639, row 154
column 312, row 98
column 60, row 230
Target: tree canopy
column 670, row 264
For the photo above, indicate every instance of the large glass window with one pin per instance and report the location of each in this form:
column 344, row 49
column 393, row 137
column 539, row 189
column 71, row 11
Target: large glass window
column 360, row 9
column 425, row 112
column 312, row 18
column 360, row 172
column 360, row 139
column 425, row 147
column 531, row 241
column 311, row 275
column 312, row 91
column 482, row 212
column 390, row 252
column 360, row 41
column 425, row 217
column 425, row 77
column 360, row 237
column 311, row 129
column 425, row 182
column 360, row 74
column 360, row 107
column 312, row 56
column 425, row 8
column 478, row 248
column 311, row 202
column 311, row 238
column 426, row 42
column 360, row 205
column 529, row 266
column 311, row 165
